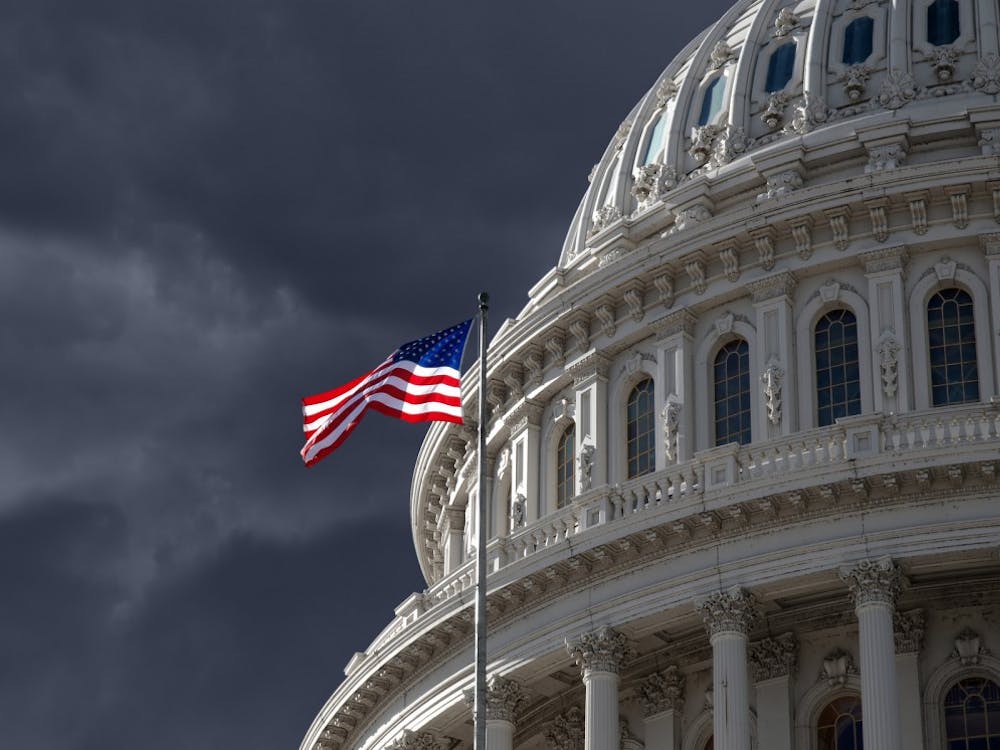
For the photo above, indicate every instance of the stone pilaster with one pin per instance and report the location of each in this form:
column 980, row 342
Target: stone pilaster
column 772, row 661
column 874, row 586
column 662, row 698
column 728, row 616
column 600, row 656
column 908, row 630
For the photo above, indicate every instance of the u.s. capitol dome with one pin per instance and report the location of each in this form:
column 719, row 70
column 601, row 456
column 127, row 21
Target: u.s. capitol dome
column 743, row 440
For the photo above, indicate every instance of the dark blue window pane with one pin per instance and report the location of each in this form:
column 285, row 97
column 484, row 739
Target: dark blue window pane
column 858, row 40
column 732, row 393
column 565, row 463
column 711, row 104
column 639, row 426
column 656, row 139
column 780, row 67
column 951, row 335
column 942, row 22
column 838, row 378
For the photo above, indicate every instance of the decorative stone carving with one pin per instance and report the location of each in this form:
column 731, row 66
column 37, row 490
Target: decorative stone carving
column 710, row 700
column 556, row 348
column 730, row 258
column 810, row 112
column 763, row 240
column 612, row 256
column 959, row 197
column 888, row 361
column 621, row 135
column 887, row 259
column 884, row 157
column 605, row 314
column 908, row 631
column 687, row 217
column 517, row 511
column 780, row 184
column 802, row 235
column 533, row 364
column 666, row 91
column 664, row 284
column 968, row 648
column 503, row 698
column 566, row 731
column 898, row 89
column 839, row 226
column 586, row 462
column 873, row 581
column 774, row 113
column 414, row 741
column 604, row 650
column 730, row 142
column 836, row 668
column 945, row 268
column 918, row 211
column 671, row 423
column 580, row 331
column 830, row 291
column 785, row 22
column 651, row 181
column 720, row 55
column 855, row 80
column 604, row 217
column 680, row 321
column 771, row 380
column 696, row 272
column 633, row 300
column 990, row 243
column 989, row 141
column 986, row 75
column 777, row 285
column 943, row 60
column 732, row 611
column 662, row 691
column 563, row 408
column 773, row 657
column 703, row 142
column 879, row 220
column 724, row 323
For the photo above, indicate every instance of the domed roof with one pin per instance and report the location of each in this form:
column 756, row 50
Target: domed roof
column 759, row 81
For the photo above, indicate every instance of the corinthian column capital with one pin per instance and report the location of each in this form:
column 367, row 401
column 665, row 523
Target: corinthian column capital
column 503, row 698
column 873, row 582
column 773, row 657
column 732, row 611
column 604, row 650
column 662, row 691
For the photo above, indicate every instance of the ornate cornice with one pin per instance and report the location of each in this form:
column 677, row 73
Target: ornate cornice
column 885, row 259
column 662, row 691
column 681, row 321
column 908, row 631
column 593, row 365
column 524, row 413
column 779, row 285
column 604, row 650
column 773, row 657
column 873, row 582
column 732, row 611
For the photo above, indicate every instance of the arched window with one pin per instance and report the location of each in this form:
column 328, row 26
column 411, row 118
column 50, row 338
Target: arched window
column 951, row 332
column 640, row 429
column 972, row 714
column 731, row 373
column 565, row 460
column 709, row 743
column 780, row 67
column 711, row 103
column 942, row 22
column 838, row 380
column 839, row 725
column 858, row 40
column 655, row 139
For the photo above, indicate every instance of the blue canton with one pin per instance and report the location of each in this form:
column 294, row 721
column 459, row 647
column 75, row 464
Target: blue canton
column 441, row 349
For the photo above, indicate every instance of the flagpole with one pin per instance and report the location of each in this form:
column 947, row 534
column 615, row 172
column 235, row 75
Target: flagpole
column 480, row 692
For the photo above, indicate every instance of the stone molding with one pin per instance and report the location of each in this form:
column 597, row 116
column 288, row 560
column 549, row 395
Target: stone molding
column 681, row 321
column 604, row 650
column 593, row 365
column 731, row 611
column 873, row 582
column 773, row 657
column 662, row 691
column 778, row 285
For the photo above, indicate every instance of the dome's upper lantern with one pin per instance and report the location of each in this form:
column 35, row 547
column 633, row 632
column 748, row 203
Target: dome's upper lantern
column 765, row 75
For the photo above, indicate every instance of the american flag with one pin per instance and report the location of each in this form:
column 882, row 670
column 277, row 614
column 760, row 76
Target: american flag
column 419, row 382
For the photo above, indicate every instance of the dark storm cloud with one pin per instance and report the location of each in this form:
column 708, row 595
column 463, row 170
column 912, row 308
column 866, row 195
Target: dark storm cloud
column 207, row 210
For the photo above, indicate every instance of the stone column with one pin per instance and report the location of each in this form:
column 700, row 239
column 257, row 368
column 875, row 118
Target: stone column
column 909, row 635
column 662, row 697
column 503, row 697
column 600, row 656
column 772, row 661
column 728, row 616
column 874, row 586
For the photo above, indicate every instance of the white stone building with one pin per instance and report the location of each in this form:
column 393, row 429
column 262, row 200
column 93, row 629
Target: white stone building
column 744, row 437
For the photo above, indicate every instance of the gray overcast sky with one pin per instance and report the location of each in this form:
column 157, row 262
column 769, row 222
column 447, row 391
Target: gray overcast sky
column 208, row 210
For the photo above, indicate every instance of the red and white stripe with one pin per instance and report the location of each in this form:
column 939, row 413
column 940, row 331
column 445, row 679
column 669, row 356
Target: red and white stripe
column 400, row 389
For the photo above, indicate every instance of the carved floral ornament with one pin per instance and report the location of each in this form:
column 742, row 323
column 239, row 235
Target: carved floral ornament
column 908, row 631
column 968, row 648
column 771, row 380
column 773, row 657
column 873, row 582
column 731, row 611
column 566, row 731
column 837, row 666
column 604, row 650
column 503, row 698
column 662, row 691
column 671, row 425
column 415, row 741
